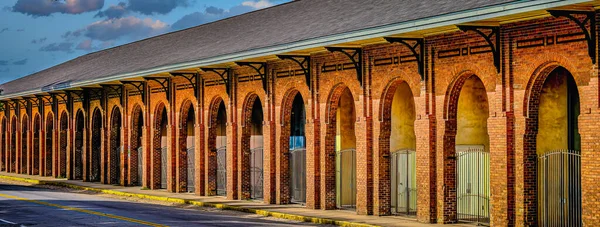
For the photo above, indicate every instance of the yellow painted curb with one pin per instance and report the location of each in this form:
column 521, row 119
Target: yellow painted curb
column 265, row 213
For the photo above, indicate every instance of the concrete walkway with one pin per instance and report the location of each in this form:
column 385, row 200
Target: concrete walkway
column 294, row 212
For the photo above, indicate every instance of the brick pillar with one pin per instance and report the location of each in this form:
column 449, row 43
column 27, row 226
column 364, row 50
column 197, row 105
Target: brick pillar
column 497, row 131
column 70, row 147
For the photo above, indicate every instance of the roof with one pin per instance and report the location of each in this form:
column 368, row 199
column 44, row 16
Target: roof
column 280, row 25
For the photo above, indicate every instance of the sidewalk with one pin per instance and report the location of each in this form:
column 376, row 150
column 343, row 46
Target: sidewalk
column 293, row 212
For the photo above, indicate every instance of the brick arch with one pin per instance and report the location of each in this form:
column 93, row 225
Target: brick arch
column 114, row 153
column 4, row 145
column 49, row 145
column 449, row 143
column 76, row 161
column 24, row 144
column 181, row 158
column 531, row 107
column 211, row 163
column 135, row 142
column 385, row 119
column 13, row 145
column 35, row 153
column 284, row 160
column 156, row 161
column 247, row 110
column 61, row 158
column 328, row 188
column 95, row 153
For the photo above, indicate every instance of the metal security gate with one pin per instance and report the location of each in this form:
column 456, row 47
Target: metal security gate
column 473, row 184
column 559, row 188
column 191, row 169
column 140, row 165
column 222, row 171
column 163, row 167
column 404, row 182
column 256, row 173
column 297, row 163
column 346, row 178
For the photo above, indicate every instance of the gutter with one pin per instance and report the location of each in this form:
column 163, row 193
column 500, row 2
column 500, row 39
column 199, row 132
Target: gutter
column 368, row 33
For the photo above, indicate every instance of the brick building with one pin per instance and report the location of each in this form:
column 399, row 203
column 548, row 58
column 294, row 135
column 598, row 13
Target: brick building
column 446, row 111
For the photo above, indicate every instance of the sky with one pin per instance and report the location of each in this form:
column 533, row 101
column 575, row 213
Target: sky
column 38, row 34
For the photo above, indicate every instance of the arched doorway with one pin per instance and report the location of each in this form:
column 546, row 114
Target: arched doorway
column 48, row 150
column 13, row 145
column 62, row 154
column 217, row 149
column 398, row 142
column 115, row 147
column 160, row 147
column 340, row 154
column 252, row 146
column 471, row 144
column 187, row 158
column 96, row 146
column 558, row 148
column 3, row 154
column 24, row 145
column 297, row 151
column 35, row 157
column 77, row 155
column 136, row 155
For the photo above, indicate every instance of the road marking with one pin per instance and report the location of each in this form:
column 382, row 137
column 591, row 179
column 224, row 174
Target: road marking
column 83, row 211
column 8, row 222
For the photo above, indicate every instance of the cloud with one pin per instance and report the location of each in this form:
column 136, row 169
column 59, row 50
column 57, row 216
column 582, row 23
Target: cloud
column 58, row 47
column 3, row 30
column 2, row 62
column 20, row 30
column 212, row 13
column 38, row 8
column 5, row 70
column 40, row 40
column 7, row 8
column 85, row 45
column 133, row 27
column 114, row 11
column 149, row 7
column 21, row 62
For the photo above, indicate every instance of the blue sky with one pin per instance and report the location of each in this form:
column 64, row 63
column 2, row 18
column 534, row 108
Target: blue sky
column 38, row 34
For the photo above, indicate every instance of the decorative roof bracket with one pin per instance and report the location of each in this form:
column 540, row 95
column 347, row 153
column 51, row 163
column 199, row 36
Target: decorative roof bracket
column 494, row 42
column 193, row 78
column 355, row 55
column 303, row 61
column 419, row 44
column 260, row 68
column 224, row 73
column 140, row 86
column 590, row 34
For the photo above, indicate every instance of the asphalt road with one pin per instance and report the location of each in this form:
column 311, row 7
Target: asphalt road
column 32, row 206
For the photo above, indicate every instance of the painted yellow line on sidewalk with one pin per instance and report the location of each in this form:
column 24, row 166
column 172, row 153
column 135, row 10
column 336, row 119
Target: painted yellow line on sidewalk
column 84, row 211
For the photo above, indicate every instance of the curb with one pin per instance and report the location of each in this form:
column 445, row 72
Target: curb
column 265, row 213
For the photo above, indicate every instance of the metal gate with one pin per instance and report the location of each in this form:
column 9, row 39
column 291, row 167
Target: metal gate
column 222, row 171
column 163, row 167
column 140, row 165
column 297, row 163
column 559, row 188
column 346, row 178
column 256, row 173
column 473, row 184
column 191, row 167
column 404, row 182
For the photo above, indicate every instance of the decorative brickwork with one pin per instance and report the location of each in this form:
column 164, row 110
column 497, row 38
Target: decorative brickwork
column 135, row 143
column 62, row 154
column 211, row 156
column 115, row 147
column 159, row 126
column 49, row 148
column 182, row 158
column 244, row 169
column 283, row 161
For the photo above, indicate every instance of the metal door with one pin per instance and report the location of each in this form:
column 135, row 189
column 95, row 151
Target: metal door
column 191, row 167
column 140, row 164
column 297, row 163
column 163, row 167
column 256, row 173
column 222, row 171
column 473, row 184
column 559, row 188
column 404, row 182
column 346, row 178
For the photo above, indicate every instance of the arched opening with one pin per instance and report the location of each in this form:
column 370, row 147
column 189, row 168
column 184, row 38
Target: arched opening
column 345, row 151
column 136, row 155
column 187, row 154
column 297, row 151
column 3, row 154
column 115, row 147
column 472, row 146
column 160, row 148
column 24, row 145
column 558, row 148
column 13, row 146
column 35, row 157
column 252, row 145
column 96, row 146
column 401, row 145
column 221, row 145
column 62, row 155
column 48, row 150
column 77, row 155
